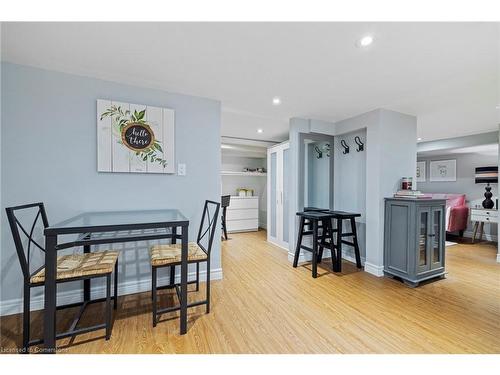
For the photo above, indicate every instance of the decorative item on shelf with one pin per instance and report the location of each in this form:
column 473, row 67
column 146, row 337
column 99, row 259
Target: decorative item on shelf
column 244, row 192
column 344, row 144
column 248, row 169
column 407, row 183
column 361, row 145
column 487, row 175
column 261, row 170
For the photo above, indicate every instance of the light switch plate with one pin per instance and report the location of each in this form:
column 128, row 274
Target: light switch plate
column 181, row 169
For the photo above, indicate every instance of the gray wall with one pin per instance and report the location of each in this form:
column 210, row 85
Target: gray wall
column 48, row 153
column 350, row 184
column 318, row 176
column 465, row 184
column 390, row 154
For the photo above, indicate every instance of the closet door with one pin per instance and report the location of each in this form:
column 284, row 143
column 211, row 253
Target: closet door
column 277, row 184
column 272, row 189
column 285, row 188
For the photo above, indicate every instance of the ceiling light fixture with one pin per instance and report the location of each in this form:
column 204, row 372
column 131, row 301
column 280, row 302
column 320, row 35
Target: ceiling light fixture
column 365, row 41
column 419, row 138
column 276, row 100
column 225, row 146
column 260, row 131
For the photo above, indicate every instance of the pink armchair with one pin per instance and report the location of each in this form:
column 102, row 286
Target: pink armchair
column 456, row 211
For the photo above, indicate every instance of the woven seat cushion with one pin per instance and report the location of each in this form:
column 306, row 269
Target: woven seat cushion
column 77, row 265
column 168, row 254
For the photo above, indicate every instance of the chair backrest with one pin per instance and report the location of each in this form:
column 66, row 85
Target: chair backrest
column 225, row 200
column 15, row 225
column 207, row 225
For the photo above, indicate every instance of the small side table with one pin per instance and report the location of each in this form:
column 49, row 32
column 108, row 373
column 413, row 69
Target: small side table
column 481, row 216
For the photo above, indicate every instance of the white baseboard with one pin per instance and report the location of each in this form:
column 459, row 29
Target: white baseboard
column 374, row 269
column 14, row 306
column 498, row 257
column 489, row 237
column 370, row 268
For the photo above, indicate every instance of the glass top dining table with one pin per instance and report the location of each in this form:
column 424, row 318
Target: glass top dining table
column 97, row 220
column 106, row 227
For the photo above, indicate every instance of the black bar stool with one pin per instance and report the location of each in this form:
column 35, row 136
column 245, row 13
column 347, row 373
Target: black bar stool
column 318, row 220
column 339, row 216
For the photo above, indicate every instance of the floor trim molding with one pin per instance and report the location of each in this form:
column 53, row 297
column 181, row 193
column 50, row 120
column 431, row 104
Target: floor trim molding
column 14, row 306
column 374, row 269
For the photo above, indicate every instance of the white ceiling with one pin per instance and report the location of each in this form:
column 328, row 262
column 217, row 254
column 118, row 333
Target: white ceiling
column 447, row 74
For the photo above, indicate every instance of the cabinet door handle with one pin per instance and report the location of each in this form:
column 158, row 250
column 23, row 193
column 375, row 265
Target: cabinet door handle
column 431, row 235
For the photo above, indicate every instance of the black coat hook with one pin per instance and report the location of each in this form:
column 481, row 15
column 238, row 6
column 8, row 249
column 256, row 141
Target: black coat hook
column 320, row 153
column 327, row 149
column 361, row 145
column 346, row 147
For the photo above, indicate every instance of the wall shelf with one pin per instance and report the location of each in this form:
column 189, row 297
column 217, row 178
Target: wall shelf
column 231, row 173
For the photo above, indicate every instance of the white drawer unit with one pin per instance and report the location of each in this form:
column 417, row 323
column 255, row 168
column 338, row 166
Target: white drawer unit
column 483, row 215
column 480, row 216
column 243, row 214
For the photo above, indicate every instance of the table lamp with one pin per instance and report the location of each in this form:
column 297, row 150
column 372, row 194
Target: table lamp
column 487, row 175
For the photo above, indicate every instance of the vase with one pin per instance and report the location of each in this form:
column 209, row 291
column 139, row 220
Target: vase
column 488, row 203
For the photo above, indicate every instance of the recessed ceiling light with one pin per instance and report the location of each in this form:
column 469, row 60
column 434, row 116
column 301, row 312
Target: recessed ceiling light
column 419, row 138
column 260, row 131
column 276, row 100
column 498, row 106
column 365, row 41
column 225, row 146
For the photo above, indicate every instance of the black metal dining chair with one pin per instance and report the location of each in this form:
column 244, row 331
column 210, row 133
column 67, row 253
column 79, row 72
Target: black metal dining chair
column 72, row 267
column 170, row 256
column 225, row 201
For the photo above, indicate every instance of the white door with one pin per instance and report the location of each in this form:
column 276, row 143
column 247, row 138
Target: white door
column 278, row 192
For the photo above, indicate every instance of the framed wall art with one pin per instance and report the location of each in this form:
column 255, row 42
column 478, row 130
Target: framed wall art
column 443, row 170
column 421, row 171
column 135, row 138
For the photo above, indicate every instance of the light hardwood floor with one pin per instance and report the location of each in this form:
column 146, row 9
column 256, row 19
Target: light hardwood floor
column 263, row 305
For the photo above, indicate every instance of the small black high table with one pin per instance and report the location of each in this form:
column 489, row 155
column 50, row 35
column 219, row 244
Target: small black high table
column 322, row 219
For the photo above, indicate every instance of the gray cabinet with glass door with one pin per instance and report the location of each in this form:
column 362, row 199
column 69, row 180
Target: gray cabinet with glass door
column 414, row 239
